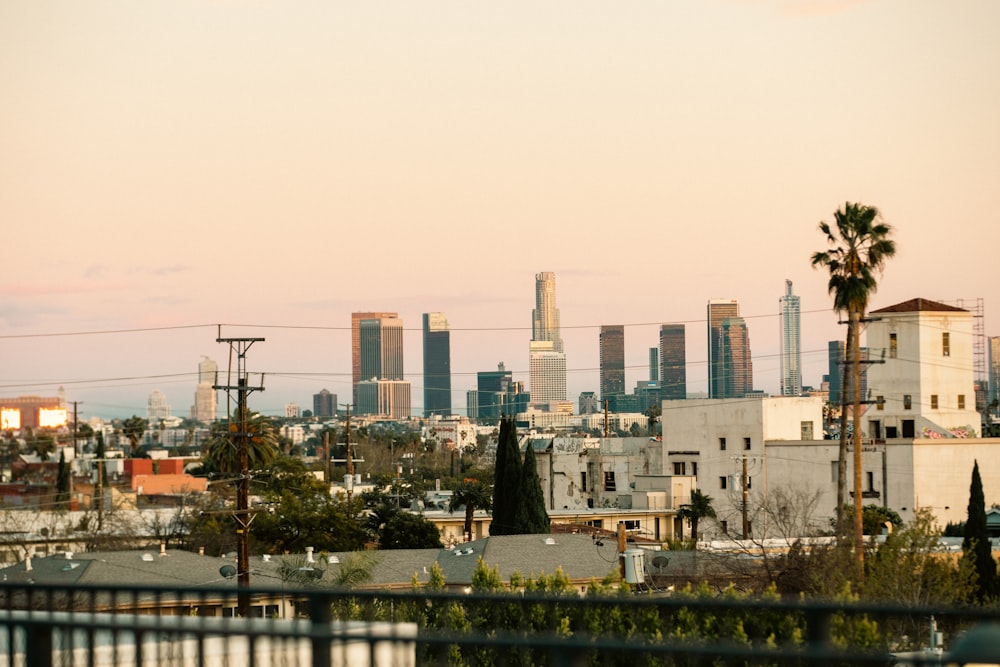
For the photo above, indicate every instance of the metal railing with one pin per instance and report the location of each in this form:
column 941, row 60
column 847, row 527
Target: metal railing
column 43, row 625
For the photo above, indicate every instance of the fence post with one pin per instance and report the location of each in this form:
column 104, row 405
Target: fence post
column 38, row 645
column 320, row 616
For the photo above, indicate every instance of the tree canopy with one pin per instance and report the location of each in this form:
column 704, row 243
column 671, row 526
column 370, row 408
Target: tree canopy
column 976, row 548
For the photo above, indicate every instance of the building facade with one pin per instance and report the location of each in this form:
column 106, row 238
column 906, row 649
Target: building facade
column 612, row 360
column 734, row 378
column 673, row 361
column 437, row 365
column 718, row 311
column 356, row 374
column 324, row 404
column 791, row 343
column 389, row 399
column 157, row 408
column 546, row 357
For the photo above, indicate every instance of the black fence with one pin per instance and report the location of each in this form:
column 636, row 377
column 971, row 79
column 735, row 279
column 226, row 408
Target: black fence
column 53, row 625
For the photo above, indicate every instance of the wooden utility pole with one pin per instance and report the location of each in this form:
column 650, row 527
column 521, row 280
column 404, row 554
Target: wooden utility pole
column 239, row 433
column 350, row 460
column 746, row 500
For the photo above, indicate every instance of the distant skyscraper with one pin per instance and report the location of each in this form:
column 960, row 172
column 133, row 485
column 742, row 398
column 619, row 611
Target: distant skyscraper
column 324, row 404
column 673, row 362
column 437, row 365
column 718, row 310
column 356, row 375
column 735, row 367
column 157, row 408
column 791, row 343
column 497, row 394
column 381, row 357
column 835, row 369
column 546, row 359
column 205, row 397
column 994, row 370
column 612, row 358
column 588, row 403
column 654, row 364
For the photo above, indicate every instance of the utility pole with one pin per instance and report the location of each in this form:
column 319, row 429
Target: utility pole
column 606, row 419
column 349, row 482
column 746, row 501
column 243, row 516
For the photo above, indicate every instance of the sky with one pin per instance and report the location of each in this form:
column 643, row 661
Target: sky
column 170, row 166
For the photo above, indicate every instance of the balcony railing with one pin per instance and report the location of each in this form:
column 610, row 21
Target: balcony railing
column 52, row 625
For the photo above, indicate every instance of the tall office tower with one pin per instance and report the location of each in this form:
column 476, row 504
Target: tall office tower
column 356, row 375
column 735, row 368
column 654, row 365
column 324, row 404
column 546, row 359
column 835, row 369
column 994, row 370
column 381, row 349
column 673, row 362
column 612, row 358
column 437, row 365
column 157, row 408
column 718, row 310
column 588, row 403
column 205, row 397
column 492, row 388
column 791, row 343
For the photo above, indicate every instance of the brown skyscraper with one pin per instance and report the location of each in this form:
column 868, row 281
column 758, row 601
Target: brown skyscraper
column 356, row 347
column 718, row 310
column 612, row 360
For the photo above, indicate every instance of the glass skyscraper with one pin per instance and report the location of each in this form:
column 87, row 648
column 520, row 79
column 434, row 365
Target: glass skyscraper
column 673, row 362
column 546, row 359
column 612, row 351
column 718, row 310
column 791, row 343
column 437, row 365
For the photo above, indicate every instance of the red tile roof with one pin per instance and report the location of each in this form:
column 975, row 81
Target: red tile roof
column 919, row 305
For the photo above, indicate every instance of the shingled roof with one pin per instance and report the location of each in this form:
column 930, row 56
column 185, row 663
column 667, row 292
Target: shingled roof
column 919, row 305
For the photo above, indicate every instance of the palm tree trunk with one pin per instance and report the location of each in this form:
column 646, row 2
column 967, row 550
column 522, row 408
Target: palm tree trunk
column 859, row 546
column 842, row 450
column 469, row 509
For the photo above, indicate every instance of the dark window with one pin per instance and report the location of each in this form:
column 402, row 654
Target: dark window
column 892, row 346
column 609, row 481
column 934, row 402
column 583, row 481
column 907, row 402
column 871, row 480
column 694, row 468
column 722, row 482
column 961, row 401
column 746, row 443
column 679, row 468
column 909, row 428
column 946, row 344
column 725, row 526
column 880, row 403
column 722, row 443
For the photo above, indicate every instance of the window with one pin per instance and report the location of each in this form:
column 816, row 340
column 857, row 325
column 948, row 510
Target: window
column 909, row 428
column 725, row 527
column 934, row 402
column 946, row 344
column 694, row 468
column 679, row 468
column 749, row 482
column 907, row 401
column 871, row 480
column 631, row 524
column 961, row 401
column 880, row 402
column 807, row 430
column 723, row 481
column 583, row 481
column 722, row 444
column 892, row 346
column 746, row 443
column 609, row 481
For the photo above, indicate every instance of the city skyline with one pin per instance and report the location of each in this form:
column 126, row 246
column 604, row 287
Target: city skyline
column 168, row 167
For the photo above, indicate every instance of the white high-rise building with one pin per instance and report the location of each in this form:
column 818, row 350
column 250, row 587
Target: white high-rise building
column 205, row 396
column 157, row 408
column 791, row 343
column 546, row 358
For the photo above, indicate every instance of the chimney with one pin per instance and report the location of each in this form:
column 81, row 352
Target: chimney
column 309, row 555
column 163, row 548
column 27, row 561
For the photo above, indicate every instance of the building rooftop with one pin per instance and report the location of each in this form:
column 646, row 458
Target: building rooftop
column 919, row 305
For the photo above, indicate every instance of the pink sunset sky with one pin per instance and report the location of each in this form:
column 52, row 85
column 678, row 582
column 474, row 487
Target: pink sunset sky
column 168, row 165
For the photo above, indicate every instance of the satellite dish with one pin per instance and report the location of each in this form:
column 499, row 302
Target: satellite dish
column 661, row 562
column 227, row 571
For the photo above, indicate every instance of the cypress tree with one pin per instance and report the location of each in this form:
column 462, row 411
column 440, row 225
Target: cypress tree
column 531, row 517
column 62, row 481
column 506, row 480
column 976, row 542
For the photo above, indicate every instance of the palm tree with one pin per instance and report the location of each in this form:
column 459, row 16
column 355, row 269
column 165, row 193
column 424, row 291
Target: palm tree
column 471, row 494
column 699, row 507
column 860, row 246
column 220, row 453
